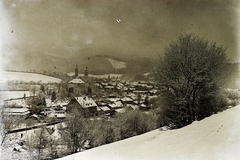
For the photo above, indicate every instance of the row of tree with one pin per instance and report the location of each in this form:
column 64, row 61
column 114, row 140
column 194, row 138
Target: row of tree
column 79, row 133
column 104, row 131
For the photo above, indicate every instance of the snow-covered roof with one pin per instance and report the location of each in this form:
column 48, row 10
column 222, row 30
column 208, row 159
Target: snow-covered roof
column 60, row 115
column 126, row 99
column 35, row 116
column 143, row 105
column 135, row 107
column 131, row 95
column 105, row 108
column 86, row 102
column 58, row 103
column 117, row 104
column 153, row 91
column 120, row 110
column 140, row 92
column 109, row 87
column 76, row 81
column 16, row 111
column 113, row 99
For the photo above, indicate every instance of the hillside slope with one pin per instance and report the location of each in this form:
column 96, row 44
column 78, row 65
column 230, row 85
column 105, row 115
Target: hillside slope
column 97, row 64
column 215, row 137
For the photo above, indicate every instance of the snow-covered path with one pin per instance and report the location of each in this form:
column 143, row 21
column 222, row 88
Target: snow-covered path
column 215, row 137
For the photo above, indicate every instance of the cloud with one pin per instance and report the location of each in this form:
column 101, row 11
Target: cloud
column 145, row 28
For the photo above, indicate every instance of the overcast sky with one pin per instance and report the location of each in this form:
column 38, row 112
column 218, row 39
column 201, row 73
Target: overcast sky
column 127, row 27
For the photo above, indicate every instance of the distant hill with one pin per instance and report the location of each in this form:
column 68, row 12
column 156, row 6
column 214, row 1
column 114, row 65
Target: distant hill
column 96, row 64
column 102, row 64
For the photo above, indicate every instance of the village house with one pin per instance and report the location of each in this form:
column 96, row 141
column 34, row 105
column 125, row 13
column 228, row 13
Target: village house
column 16, row 111
column 74, row 83
column 126, row 100
column 109, row 88
column 144, row 107
column 106, row 110
column 60, row 114
column 116, row 105
column 84, row 104
column 46, row 111
column 16, row 107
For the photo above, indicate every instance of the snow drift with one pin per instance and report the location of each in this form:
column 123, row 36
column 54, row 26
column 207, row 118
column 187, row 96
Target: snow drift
column 215, row 137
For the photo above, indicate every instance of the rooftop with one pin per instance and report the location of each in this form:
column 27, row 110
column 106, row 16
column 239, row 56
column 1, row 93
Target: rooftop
column 85, row 101
column 76, row 81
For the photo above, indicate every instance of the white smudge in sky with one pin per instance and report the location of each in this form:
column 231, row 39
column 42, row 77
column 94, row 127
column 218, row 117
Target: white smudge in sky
column 7, row 35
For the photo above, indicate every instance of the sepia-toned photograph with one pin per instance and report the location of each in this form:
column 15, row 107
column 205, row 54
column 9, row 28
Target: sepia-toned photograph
column 119, row 79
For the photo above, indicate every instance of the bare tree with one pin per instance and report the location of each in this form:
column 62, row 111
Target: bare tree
column 30, row 142
column 33, row 90
column 76, row 132
column 8, row 123
column 39, row 140
column 190, row 71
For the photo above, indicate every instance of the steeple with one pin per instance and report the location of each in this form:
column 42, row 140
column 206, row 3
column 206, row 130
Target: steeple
column 76, row 71
column 86, row 72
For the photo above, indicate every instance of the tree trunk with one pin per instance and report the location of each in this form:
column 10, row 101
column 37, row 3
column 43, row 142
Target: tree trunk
column 193, row 103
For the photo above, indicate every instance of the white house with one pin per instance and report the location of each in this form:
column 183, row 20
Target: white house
column 16, row 111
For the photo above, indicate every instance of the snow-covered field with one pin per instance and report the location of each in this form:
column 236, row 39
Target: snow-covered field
column 26, row 77
column 13, row 94
column 215, row 137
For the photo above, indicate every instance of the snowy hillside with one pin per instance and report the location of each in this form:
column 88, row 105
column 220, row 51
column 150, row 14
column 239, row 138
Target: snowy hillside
column 117, row 64
column 215, row 137
column 27, row 77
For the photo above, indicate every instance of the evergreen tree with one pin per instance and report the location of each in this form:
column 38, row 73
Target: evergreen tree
column 53, row 97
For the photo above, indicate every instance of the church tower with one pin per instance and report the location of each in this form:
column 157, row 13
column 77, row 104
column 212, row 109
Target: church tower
column 86, row 72
column 76, row 71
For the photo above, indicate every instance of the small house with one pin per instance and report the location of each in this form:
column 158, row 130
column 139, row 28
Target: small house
column 144, row 107
column 77, row 82
column 106, row 110
column 116, row 105
column 127, row 100
column 84, row 104
column 60, row 114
